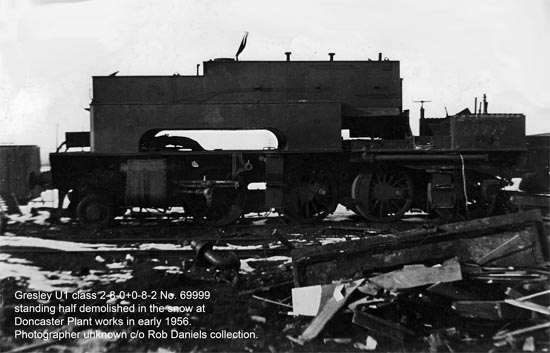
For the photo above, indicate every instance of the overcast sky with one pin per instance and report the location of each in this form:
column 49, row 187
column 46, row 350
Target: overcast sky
column 450, row 51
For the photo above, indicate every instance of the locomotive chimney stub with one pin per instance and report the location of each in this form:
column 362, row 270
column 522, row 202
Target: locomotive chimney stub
column 379, row 56
column 331, row 55
column 288, row 55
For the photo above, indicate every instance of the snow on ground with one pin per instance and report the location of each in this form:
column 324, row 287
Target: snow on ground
column 245, row 267
column 40, row 279
column 514, row 186
column 118, row 271
column 34, row 242
column 340, row 214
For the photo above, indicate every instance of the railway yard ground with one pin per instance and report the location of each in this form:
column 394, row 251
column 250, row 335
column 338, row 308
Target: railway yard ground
column 484, row 293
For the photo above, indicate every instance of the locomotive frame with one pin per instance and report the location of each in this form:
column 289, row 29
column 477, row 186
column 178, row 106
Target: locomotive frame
column 455, row 167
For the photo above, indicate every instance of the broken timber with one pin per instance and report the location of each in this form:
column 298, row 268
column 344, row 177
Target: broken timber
column 502, row 335
column 469, row 241
column 529, row 306
column 412, row 276
column 526, row 200
column 330, row 308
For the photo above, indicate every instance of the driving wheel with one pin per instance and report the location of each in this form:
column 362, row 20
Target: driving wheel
column 94, row 211
column 310, row 198
column 383, row 195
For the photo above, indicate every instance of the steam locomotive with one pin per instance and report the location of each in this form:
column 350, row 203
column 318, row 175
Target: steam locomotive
column 340, row 137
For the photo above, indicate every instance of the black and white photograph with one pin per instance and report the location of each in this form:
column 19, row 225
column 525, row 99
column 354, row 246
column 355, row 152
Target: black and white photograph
column 274, row 176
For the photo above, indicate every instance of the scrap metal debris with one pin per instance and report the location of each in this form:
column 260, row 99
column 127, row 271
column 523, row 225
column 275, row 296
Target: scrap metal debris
column 483, row 281
column 205, row 253
column 411, row 276
column 469, row 241
column 478, row 285
column 333, row 305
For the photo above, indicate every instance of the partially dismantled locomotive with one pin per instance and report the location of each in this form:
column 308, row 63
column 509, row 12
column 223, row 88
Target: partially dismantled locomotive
column 341, row 137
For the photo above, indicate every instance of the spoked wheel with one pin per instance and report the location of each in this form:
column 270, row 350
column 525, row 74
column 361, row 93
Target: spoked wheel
column 383, row 195
column 310, row 198
column 94, row 211
column 226, row 206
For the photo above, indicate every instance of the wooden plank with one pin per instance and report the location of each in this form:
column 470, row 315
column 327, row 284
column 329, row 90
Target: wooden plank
column 321, row 271
column 525, row 252
column 469, row 241
column 499, row 250
column 412, row 276
column 380, row 326
column 344, row 264
column 525, row 200
column 503, row 335
column 534, row 295
column 490, row 310
column 332, row 306
column 529, row 306
column 504, row 277
column 492, row 222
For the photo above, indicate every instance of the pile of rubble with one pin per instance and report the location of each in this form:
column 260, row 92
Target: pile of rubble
column 483, row 281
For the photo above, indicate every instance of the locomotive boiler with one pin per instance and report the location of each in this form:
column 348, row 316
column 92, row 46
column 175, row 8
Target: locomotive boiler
column 341, row 136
